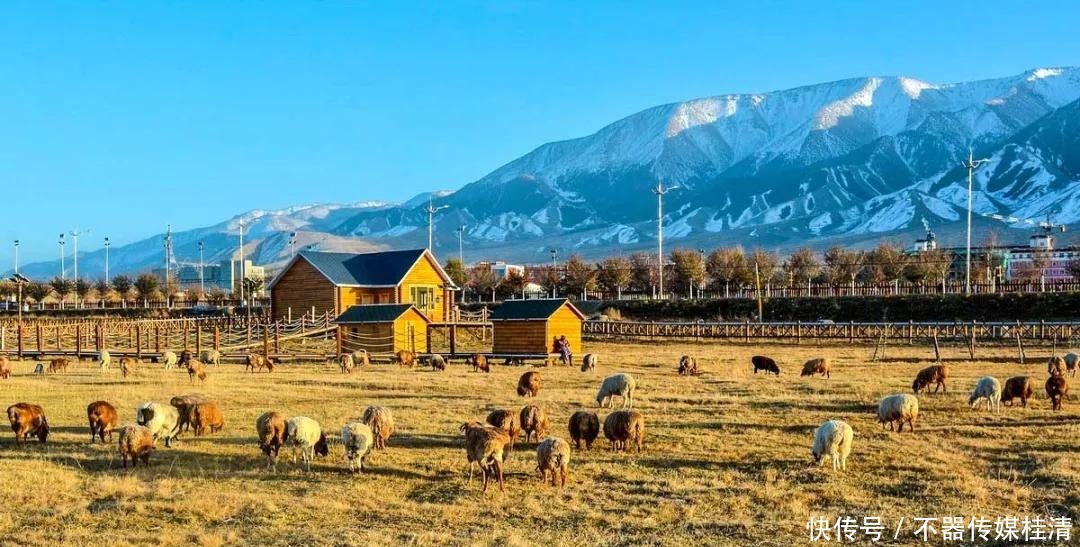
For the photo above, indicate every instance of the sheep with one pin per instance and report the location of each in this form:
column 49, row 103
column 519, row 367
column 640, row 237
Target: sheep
column 184, row 405
column 479, row 363
column 621, row 384
column 255, row 362
column 206, row 415
column 622, row 427
column 589, row 362
column 553, row 455
column 305, row 433
column 39, row 368
column 381, row 422
column 210, row 356
column 104, row 359
column 27, row 419
column 185, row 358
column 529, row 384
column 346, row 363
column 102, row 419
column 820, row 366
column 1056, row 389
column 170, row 359
column 128, row 366
column 136, row 442
column 988, row 388
column 584, row 426
column 934, row 374
column 405, row 358
column 271, row 429
column 5, row 368
column 533, row 421
column 687, row 366
column 358, row 441
column 195, row 369
column 898, row 409
column 765, row 364
column 487, row 447
column 360, row 358
column 1056, row 366
column 438, row 362
column 161, row 419
column 1021, row 387
column 833, row 438
column 59, row 365
column 506, row 421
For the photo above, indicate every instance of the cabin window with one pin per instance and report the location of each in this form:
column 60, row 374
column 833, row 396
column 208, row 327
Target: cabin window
column 367, row 299
column 423, row 297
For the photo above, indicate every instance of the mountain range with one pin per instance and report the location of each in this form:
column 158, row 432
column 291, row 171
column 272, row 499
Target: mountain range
column 847, row 162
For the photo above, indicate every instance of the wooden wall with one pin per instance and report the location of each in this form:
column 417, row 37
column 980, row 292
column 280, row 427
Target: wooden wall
column 374, row 337
column 425, row 274
column 521, row 337
column 410, row 332
column 565, row 322
column 355, row 296
column 300, row 288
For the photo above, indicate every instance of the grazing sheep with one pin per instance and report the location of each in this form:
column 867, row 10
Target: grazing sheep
column 5, row 368
column 621, row 384
column 381, row 422
column 1056, row 389
column 405, row 358
column 104, row 359
column 487, row 447
column 361, row 358
column 161, row 419
column 623, row 427
column 255, row 362
column 59, row 365
column 358, row 441
column 184, row 405
column 271, row 429
column 195, row 369
column 506, row 421
column 533, row 421
column 553, row 455
column 210, row 356
column 589, row 362
column 1056, row 366
column 529, row 384
column 820, row 366
column 1071, row 360
column 833, row 438
column 765, row 364
column 988, row 388
column 305, row 433
column 438, row 362
column 27, row 419
column 687, row 366
column 584, row 426
column 1018, row 387
column 346, row 363
column 898, row 409
column 479, row 363
column 206, row 415
column 136, row 442
column 128, row 366
column 185, row 358
column 102, row 418
column 170, row 359
column 935, row 375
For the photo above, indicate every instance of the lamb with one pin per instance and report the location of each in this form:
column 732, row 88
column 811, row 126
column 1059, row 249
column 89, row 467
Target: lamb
column 136, row 442
column 438, row 362
column 687, row 366
column 589, row 362
column 305, row 433
column 105, row 360
column 1071, row 360
column 506, row 421
column 833, row 438
column 381, row 422
column 358, row 441
column 584, row 426
column 27, row 419
column 102, row 418
column 529, row 384
column 5, row 368
column 255, row 362
column 206, row 415
column 184, row 405
column 765, row 364
column 170, row 359
column 210, row 356
column 820, row 366
column 934, row 374
column 160, row 419
column 622, row 427
column 487, row 447
column 195, row 369
column 346, row 363
column 533, row 421
column 405, row 358
column 479, row 363
column 1056, row 389
column 988, row 388
column 898, row 409
column 621, row 384
column 1056, row 366
column 59, row 365
column 271, row 429
column 553, row 455
column 128, row 366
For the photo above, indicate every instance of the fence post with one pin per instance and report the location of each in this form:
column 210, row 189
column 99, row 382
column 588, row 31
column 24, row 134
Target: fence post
column 217, row 337
column 340, row 342
column 266, row 343
column 78, row 341
column 277, row 337
column 198, row 339
column 19, row 340
column 138, row 342
column 798, row 332
column 39, row 338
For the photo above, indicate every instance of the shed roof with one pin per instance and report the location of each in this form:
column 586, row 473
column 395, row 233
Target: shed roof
column 378, row 269
column 376, row 313
column 531, row 309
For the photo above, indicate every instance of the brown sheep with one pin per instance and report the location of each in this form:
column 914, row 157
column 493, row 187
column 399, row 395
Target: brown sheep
column 59, row 365
column 479, row 363
column 27, row 419
column 529, row 384
column 487, row 447
column 206, row 415
column 102, row 418
column 381, row 422
column 184, row 405
column 820, row 366
column 932, row 375
column 5, row 368
column 438, row 362
column 136, row 442
column 185, row 358
column 584, row 426
column 506, row 421
column 195, row 369
column 1018, row 387
column 534, row 422
column 271, row 429
column 255, row 362
column 405, row 358
column 1056, row 389
column 128, row 366
column 346, row 363
column 766, row 364
column 623, row 427
column 553, row 455
column 1056, row 366
column 687, row 366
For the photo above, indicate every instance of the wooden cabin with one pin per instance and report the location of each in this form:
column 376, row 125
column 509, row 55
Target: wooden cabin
column 334, row 282
column 384, row 328
column 527, row 327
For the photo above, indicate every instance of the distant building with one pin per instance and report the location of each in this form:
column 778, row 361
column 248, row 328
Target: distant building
column 502, row 270
column 1011, row 262
column 223, row 275
column 927, row 243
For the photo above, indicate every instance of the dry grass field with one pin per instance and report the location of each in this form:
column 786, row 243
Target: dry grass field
column 726, row 458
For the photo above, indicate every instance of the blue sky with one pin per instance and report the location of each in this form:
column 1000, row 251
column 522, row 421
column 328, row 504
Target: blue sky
column 123, row 117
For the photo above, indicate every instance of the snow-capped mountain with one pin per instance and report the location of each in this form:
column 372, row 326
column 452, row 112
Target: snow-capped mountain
column 847, row 161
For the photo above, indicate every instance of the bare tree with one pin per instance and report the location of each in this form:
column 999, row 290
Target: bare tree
column 803, row 264
column 614, row 275
column 842, row 266
column 689, row 268
column 580, row 277
column 642, row 273
column 727, row 266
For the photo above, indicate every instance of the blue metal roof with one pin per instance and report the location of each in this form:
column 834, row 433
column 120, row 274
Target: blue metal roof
column 385, row 268
column 531, row 309
column 374, row 313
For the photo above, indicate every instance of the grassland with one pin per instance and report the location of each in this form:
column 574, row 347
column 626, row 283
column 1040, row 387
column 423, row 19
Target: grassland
column 726, row 460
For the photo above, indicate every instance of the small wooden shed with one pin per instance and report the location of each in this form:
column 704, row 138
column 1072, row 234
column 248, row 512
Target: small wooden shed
column 384, row 328
column 527, row 327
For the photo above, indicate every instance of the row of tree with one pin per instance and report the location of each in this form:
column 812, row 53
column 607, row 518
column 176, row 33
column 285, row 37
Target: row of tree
column 120, row 289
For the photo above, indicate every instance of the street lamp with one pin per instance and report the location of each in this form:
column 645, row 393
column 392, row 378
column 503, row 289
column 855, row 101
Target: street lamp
column 16, row 257
column 107, row 245
column 431, row 210
column 63, row 271
column 202, row 286
column 241, row 263
column 460, row 245
column 971, row 164
column 660, row 190
column 554, row 270
column 75, row 241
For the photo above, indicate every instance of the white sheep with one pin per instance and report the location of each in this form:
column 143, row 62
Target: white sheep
column 304, row 432
column 358, row 441
column 621, row 384
column 105, row 359
column 170, row 359
column 210, row 356
column 899, row 408
column 160, row 419
column 988, row 388
column 833, row 438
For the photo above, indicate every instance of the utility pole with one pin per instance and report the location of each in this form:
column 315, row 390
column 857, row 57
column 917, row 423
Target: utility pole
column 168, row 260
column 431, row 210
column 241, row 263
column 660, row 190
column 16, row 257
column 107, row 245
column 971, row 164
column 63, row 271
column 460, row 245
column 554, row 270
column 75, row 241
column 202, row 286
